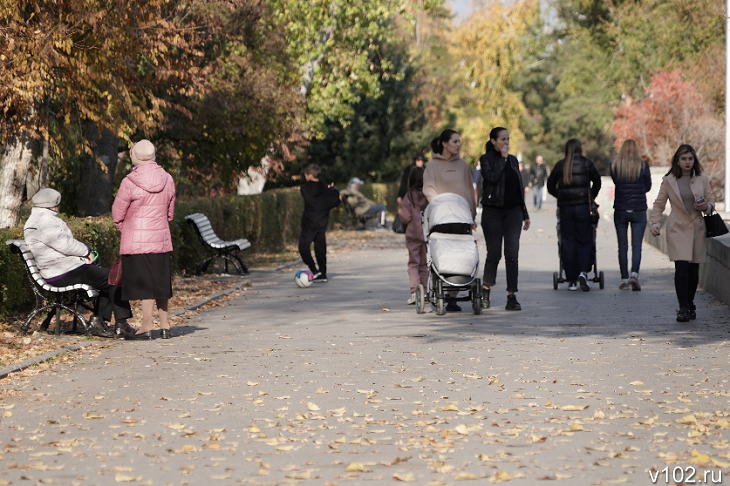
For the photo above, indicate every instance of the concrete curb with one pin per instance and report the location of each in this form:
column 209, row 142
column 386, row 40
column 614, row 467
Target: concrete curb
column 41, row 358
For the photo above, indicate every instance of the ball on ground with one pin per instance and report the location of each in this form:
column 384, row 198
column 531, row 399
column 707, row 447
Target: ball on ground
column 304, row 278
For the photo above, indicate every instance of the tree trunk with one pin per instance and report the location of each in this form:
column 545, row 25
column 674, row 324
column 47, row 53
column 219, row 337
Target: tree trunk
column 38, row 179
column 97, row 177
column 14, row 163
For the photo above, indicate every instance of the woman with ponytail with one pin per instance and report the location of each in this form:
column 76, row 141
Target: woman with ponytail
column 504, row 214
column 447, row 172
column 574, row 182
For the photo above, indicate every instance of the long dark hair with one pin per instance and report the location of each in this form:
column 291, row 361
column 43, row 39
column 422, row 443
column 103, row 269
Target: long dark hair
column 572, row 147
column 489, row 147
column 437, row 146
column 415, row 179
column 676, row 170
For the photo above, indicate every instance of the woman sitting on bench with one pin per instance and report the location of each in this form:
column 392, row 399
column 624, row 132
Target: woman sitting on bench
column 64, row 261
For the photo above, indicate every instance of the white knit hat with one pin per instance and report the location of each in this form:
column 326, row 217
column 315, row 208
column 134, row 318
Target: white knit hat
column 46, row 198
column 142, row 152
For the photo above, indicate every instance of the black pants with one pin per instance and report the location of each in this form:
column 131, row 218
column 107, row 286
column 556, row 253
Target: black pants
column 576, row 240
column 306, row 237
column 110, row 297
column 686, row 280
column 499, row 224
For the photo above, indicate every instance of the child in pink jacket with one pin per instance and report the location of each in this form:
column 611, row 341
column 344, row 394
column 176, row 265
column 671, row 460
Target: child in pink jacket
column 410, row 213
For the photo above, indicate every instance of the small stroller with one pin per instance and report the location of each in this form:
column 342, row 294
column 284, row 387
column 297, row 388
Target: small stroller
column 558, row 277
column 452, row 253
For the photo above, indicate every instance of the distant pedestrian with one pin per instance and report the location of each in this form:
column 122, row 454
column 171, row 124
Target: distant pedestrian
column 538, row 176
column 410, row 213
column 362, row 206
column 632, row 178
column 504, row 215
column 142, row 210
column 575, row 183
column 448, row 172
column 689, row 193
column 319, row 200
column 418, row 161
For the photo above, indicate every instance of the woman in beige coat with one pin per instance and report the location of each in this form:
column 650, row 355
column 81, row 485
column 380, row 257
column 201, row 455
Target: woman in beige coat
column 689, row 194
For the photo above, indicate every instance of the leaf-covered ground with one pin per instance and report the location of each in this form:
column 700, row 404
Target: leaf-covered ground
column 342, row 383
column 186, row 290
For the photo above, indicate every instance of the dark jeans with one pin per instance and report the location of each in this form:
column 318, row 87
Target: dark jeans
column 110, row 297
column 379, row 209
column 686, row 279
column 537, row 196
column 499, row 225
column 622, row 220
column 576, row 240
column 306, row 237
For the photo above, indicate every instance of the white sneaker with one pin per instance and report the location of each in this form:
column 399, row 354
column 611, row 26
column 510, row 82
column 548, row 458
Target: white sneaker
column 573, row 286
column 624, row 285
column 583, row 280
column 412, row 300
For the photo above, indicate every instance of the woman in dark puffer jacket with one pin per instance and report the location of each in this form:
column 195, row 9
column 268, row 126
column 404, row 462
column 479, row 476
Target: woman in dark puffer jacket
column 573, row 181
column 632, row 178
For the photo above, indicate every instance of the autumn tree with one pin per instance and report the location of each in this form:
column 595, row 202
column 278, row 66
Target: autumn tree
column 673, row 111
column 489, row 50
column 98, row 61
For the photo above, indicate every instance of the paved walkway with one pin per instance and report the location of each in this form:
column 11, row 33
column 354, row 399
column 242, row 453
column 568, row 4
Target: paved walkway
column 342, row 383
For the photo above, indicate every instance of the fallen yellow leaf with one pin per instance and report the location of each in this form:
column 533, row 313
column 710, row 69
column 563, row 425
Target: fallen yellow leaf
column 405, row 477
column 123, row 478
column 312, row 406
column 355, row 467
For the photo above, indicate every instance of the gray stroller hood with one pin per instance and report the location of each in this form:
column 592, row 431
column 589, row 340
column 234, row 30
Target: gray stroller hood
column 447, row 208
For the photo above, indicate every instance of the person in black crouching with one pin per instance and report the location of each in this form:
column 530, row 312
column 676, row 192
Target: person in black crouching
column 319, row 199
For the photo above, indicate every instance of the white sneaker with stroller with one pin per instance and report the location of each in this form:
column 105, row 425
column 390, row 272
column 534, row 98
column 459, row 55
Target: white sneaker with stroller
column 452, row 255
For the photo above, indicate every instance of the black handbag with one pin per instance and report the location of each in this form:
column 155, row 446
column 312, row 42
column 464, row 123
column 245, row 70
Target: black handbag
column 714, row 225
column 398, row 226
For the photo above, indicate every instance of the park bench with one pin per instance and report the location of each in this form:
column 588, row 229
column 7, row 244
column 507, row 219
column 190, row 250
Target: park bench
column 215, row 247
column 48, row 297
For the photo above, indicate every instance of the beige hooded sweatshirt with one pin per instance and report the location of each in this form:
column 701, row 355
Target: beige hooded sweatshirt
column 449, row 175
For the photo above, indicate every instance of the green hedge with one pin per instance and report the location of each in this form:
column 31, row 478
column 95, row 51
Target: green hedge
column 269, row 220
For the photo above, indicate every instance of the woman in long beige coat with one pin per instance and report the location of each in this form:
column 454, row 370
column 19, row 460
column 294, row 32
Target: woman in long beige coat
column 689, row 194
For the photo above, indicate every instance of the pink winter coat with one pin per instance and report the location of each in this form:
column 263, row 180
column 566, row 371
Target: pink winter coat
column 142, row 209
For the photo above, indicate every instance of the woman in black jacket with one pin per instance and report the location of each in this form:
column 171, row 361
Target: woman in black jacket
column 575, row 182
column 632, row 178
column 503, row 214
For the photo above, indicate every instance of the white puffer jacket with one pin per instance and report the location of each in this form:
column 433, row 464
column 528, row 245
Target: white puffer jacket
column 52, row 244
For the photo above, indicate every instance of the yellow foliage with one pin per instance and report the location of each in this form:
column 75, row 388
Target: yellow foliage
column 489, row 51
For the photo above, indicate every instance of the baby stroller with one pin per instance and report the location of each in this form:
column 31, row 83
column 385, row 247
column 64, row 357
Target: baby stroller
column 558, row 277
column 452, row 253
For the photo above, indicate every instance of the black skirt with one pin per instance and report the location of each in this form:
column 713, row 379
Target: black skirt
column 146, row 276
